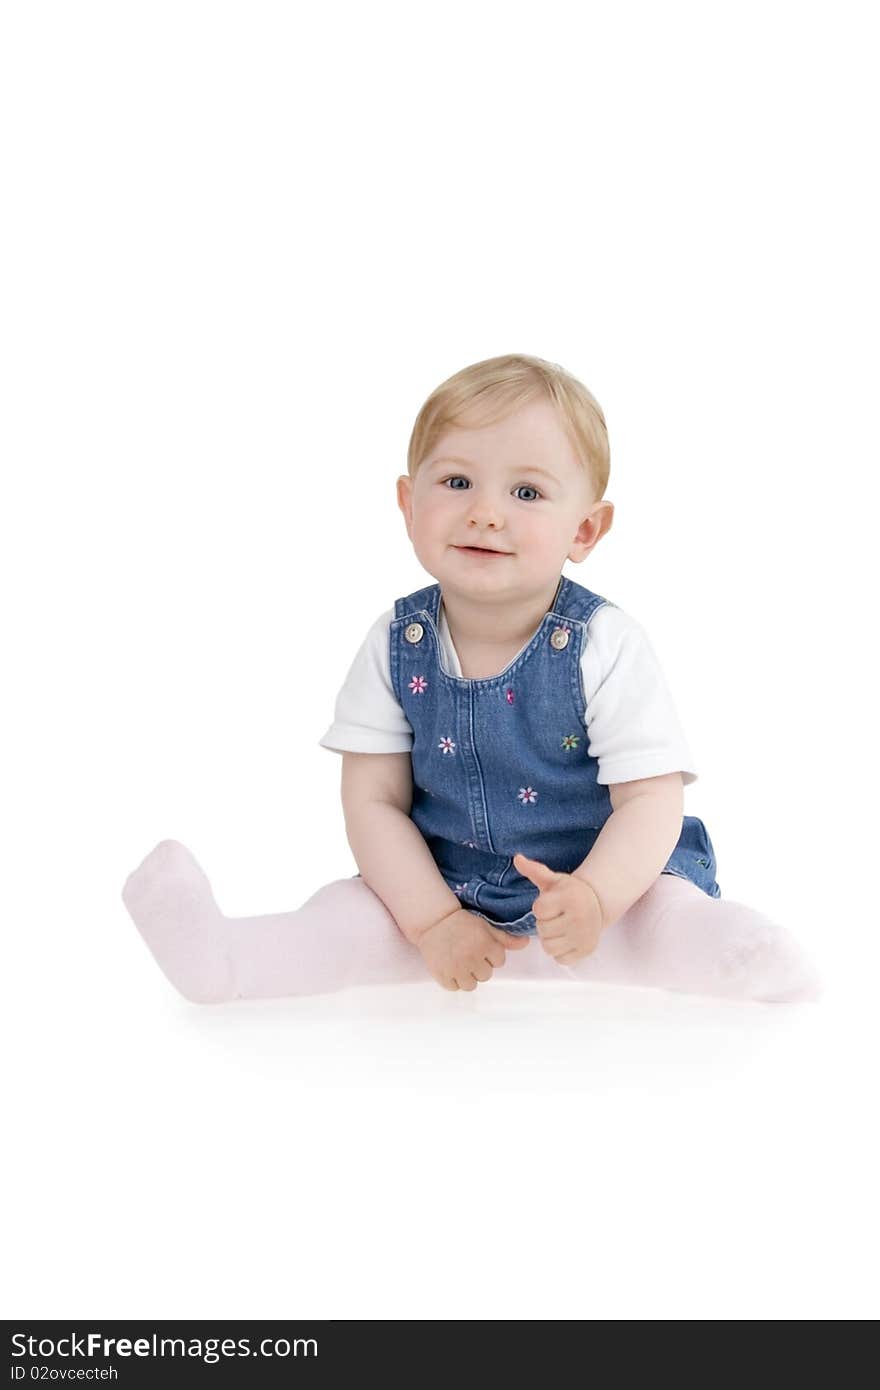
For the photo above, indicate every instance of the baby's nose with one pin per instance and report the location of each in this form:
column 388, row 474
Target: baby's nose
column 484, row 514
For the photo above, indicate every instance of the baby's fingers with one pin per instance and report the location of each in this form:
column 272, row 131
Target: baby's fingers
column 554, row 930
column 569, row 957
column 481, row 971
column 556, row 946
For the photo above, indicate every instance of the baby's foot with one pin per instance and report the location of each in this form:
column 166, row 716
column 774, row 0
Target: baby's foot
column 171, row 903
column 683, row 940
column 769, row 964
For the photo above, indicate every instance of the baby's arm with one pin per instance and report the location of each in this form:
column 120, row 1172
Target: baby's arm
column 458, row 947
column 634, row 844
column 390, row 851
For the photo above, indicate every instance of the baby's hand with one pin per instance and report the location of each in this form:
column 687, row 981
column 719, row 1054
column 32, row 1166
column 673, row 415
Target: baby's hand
column 567, row 911
column 462, row 950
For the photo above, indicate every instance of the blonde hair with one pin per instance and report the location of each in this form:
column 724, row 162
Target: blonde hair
column 488, row 391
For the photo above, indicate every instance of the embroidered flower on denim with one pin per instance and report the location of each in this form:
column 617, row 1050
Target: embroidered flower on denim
column 446, row 744
column 527, row 794
column 418, row 685
column 570, row 741
column 459, row 888
column 509, row 696
column 471, row 844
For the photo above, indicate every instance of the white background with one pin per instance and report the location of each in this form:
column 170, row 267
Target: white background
column 242, row 243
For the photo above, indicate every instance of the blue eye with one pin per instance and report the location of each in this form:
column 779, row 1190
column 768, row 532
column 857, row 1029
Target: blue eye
column 456, row 477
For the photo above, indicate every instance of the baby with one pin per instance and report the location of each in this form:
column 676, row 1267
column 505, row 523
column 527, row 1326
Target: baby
column 513, row 768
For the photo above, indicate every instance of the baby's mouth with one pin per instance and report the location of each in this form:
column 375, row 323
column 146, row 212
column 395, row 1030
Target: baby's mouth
column 480, row 550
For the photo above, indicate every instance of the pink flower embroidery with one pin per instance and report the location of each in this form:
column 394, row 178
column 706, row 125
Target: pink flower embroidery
column 570, row 741
column 418, row 685
column 447, row 745
column 527, row 794
column 509, row 697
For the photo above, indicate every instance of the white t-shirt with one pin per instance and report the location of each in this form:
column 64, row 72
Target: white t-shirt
column 631, row 722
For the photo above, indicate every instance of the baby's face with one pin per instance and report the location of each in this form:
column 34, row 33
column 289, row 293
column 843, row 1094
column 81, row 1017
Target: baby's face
column 515, row 486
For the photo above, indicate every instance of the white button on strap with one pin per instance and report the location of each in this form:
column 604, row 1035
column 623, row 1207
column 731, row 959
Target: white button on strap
column 559, row 638
column 414, row 633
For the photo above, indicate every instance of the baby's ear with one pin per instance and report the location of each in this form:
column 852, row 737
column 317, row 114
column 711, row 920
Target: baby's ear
column 404, row 498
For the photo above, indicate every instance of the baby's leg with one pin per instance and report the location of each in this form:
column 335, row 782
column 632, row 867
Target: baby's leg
column 676, row 937
column 342, row 935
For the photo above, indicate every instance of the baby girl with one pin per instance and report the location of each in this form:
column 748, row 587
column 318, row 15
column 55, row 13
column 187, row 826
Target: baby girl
column 513, row 767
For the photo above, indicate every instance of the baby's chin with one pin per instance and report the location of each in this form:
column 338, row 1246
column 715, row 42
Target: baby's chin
column 472, row 574
column 501, row 580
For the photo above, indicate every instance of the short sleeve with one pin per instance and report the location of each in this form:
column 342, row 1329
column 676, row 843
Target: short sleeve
column 633, row 728
column 368, row 717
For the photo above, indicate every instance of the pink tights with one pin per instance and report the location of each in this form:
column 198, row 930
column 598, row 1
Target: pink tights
column 675, row 937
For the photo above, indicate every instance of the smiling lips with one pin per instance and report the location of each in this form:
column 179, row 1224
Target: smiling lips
column 478, row 550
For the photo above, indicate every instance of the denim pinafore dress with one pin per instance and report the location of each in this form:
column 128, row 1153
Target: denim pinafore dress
column 500, row 764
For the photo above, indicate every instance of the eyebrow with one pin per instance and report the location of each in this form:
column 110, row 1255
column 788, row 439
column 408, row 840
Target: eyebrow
column 527, row 468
